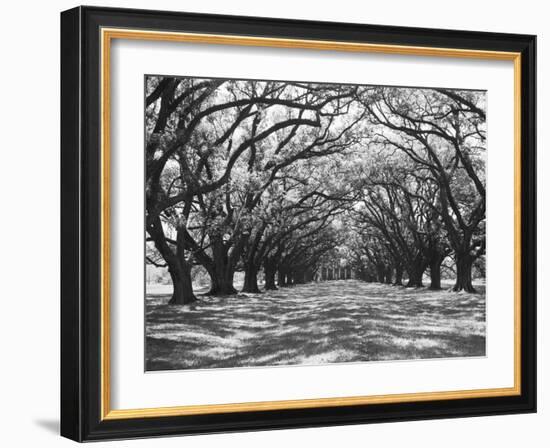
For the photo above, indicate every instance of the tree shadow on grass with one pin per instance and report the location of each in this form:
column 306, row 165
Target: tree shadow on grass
column 339, row 321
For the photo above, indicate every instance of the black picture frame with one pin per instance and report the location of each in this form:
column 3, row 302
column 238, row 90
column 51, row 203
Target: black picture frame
column 81, row 414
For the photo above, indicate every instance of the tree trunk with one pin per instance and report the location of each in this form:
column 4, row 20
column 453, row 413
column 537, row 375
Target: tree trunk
column 464, row 273
column 269, row 277
column 380, row 273
column 414, row 282
column 182, row 284
column 179, row 269
column 251, row 279
column 221, row 280
column 222, row 284
column 415, row 277
column 289, row 278
column 398, row 276
column 388, row 276
column 281, row 278
column 435, row 273
column 221, row 272
column 416, row 272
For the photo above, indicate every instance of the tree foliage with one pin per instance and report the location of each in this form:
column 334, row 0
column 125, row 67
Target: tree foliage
column 288, row 177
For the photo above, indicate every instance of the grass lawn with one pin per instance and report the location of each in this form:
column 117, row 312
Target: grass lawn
column 316, row 323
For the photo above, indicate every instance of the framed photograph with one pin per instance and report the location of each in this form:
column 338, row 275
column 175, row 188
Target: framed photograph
column 276, row 224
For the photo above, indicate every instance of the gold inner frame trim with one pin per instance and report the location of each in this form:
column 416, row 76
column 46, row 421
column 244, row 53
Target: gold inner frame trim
column 107, row 35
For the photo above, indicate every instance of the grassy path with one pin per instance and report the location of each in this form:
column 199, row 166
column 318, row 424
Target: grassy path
column 338, row 321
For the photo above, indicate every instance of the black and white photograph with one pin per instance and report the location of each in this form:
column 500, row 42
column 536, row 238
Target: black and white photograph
column 296, row 223
column 282, row 219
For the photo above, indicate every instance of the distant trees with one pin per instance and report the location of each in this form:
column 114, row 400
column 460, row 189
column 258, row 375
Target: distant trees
column 213, row 149
column 405, row 232
column 442, row 133
column 275, row 176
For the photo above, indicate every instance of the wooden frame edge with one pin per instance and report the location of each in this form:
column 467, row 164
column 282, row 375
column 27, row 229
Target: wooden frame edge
column 107, row 34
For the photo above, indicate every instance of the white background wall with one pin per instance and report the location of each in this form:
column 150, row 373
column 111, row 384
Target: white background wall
column 29, row 224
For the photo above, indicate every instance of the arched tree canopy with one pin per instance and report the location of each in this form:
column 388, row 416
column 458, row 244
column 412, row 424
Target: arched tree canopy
column 306, row 181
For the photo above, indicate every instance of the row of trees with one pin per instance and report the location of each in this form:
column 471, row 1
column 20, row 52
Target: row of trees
column 285, row 176
column 424, row 187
